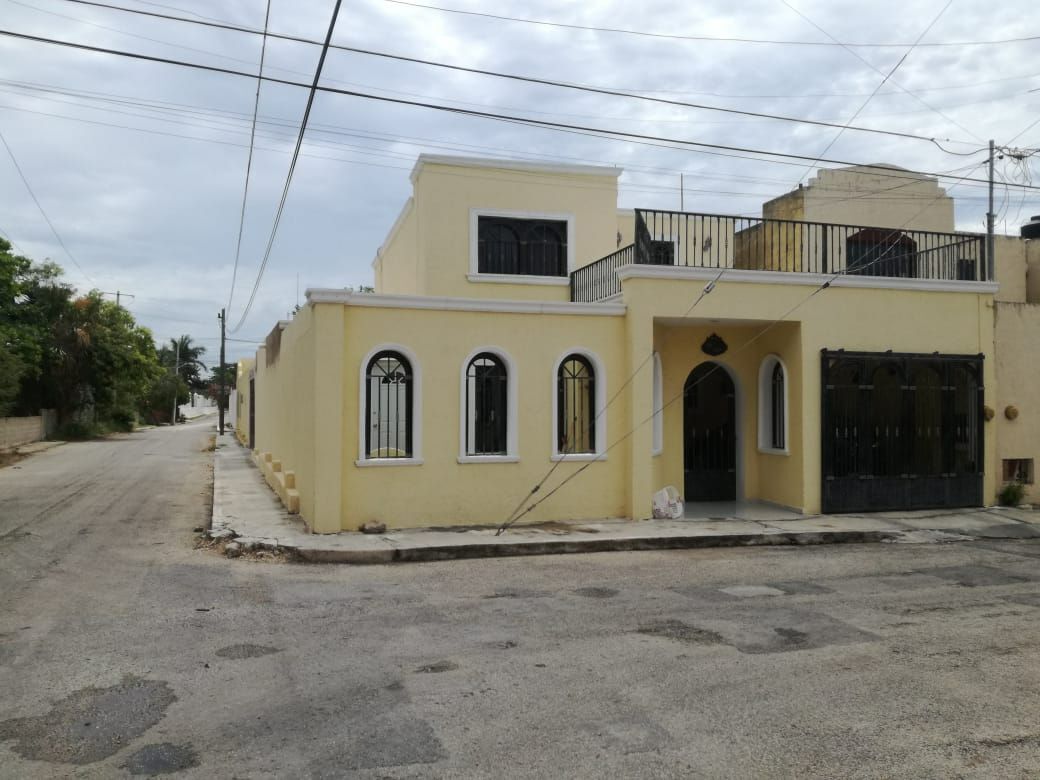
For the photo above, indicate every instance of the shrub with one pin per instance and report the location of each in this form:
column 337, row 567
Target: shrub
column 1012, row 494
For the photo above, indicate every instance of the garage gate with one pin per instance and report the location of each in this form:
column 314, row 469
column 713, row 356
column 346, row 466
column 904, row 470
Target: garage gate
column 901, row 431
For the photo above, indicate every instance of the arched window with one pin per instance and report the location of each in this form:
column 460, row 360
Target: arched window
column 576, row 406
column 772, row 406
column 388, row 406
column 777, row 400
column 487, row 406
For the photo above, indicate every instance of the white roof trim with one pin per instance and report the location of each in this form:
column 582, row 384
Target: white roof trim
column 804, row 279
column 348, row 298
column 528, row 166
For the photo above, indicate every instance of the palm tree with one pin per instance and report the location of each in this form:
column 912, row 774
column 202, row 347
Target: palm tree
column 184, row 355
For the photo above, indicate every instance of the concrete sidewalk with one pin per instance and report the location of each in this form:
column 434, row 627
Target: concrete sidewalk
column 248, row 514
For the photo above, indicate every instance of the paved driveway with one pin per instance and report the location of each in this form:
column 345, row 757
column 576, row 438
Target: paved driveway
column 124, row 651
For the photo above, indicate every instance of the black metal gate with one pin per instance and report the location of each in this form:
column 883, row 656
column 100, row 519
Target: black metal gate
column 901, row 431
column 709, row 435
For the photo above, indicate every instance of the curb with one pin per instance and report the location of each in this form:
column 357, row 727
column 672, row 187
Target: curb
column 571, row 546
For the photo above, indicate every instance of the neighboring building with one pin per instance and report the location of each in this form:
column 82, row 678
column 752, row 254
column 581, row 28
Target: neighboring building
column 840, row 358
column 1017, row 317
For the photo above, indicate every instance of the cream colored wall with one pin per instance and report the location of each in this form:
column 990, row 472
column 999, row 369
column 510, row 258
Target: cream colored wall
column 838, row 318
column 443, row 491
column 1018, row 385
column 1010, row 265
column 1032, row 271
column 398, row 261
column 244, row 366
column 445, row 194
column 840, row 195
column 776, row 478
column 286, row 405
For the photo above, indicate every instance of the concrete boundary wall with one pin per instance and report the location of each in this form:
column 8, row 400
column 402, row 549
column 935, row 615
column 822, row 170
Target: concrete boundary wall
column 16, row 431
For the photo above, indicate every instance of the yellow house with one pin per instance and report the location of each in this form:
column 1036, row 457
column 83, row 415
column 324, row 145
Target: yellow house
column 835, row 355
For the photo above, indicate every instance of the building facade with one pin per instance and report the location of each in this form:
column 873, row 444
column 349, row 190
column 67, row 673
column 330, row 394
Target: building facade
column 835, row 355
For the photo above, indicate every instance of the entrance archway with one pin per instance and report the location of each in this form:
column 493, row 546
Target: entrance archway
column 709, row 434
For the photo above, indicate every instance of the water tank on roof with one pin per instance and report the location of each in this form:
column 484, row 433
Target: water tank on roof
column 1032, row 228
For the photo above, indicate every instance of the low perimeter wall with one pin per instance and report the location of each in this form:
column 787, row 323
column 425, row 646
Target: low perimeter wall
column 16, row 431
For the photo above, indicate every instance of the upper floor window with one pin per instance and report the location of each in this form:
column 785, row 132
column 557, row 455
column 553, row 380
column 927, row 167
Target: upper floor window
column 388, row 406
column 523, row 247
column 487, row 410
column 576, row 406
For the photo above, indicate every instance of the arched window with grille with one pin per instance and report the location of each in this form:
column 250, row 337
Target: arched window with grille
column 772, row 406
column 575, row 406
column 486, row 406
column 389, row 404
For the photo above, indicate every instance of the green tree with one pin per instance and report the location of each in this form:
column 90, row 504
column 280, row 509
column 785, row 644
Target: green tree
column 186, row 356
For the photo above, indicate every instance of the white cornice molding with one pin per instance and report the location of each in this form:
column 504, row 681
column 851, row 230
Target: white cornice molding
column 523, row 166
column 803, row 279
column 348, row 298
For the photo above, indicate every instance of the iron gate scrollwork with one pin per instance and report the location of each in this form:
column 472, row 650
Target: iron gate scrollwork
column 901, row 431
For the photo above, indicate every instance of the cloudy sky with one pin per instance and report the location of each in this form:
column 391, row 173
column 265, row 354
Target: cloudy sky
column 141, row 166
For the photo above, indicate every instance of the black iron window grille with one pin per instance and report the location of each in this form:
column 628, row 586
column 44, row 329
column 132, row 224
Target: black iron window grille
column 487, row 397
column 524, row 247
column 388, row 405
column 576, row 415
column 778, row 426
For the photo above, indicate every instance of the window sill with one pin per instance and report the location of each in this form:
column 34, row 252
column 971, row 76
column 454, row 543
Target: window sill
column 771, row 451
column 553, row 281
column 579, row 457
column 489, row 459
column 368, row 462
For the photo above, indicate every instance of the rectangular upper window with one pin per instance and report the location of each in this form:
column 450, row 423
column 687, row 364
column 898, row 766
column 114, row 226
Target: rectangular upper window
column 521, row 247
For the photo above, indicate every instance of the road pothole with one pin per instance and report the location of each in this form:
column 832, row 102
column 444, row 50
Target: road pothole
column 90, row 724
column 163, row 758
column 682, row 632
column 238, row 652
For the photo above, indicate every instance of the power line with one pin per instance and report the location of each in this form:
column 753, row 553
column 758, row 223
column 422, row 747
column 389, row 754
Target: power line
column 888, row 77
column 249, row 160
column 559, row 126
column 292, row 165
column 39, row 206
column 699, row 38
column 534, row 80
column 226, row 25
column 882, row 83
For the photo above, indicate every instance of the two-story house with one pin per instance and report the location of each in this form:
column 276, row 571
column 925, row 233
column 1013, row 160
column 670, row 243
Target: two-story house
column 835, row 355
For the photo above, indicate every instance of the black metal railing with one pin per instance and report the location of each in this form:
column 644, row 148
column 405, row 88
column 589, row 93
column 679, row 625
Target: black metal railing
column 598, row 280
column 783, row 245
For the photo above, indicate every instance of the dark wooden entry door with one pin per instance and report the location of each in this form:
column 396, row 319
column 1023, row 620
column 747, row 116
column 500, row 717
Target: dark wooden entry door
column 710, row 434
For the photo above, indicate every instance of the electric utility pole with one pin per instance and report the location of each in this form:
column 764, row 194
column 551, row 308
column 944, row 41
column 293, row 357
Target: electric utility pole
column 220, row 400
column 176, row 380
column 990, row 219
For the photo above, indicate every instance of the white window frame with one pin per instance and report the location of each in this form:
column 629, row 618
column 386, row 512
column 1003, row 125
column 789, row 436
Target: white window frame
column 512, row 449
column 600, row 401
column 765, row 406
column 416, row 411
column 657, row 437
column 474, row 246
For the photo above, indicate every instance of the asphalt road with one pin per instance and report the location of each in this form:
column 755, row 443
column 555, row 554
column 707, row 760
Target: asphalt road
column 125, row 651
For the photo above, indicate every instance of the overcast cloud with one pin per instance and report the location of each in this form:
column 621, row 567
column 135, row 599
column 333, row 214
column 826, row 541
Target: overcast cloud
column 147, row 197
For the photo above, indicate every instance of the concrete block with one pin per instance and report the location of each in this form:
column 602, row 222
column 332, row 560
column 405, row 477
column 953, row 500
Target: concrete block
column 290, row 479
column 292, row 501
column 276, row 465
